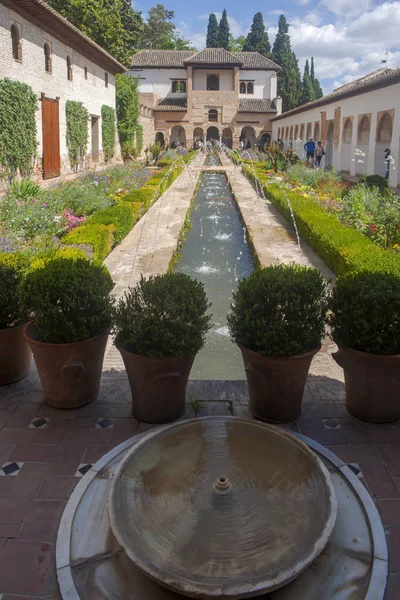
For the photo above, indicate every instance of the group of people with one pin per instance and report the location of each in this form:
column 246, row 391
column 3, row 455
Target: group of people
column 314, row 153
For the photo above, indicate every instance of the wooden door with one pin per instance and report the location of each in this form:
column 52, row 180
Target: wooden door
column 51, row 138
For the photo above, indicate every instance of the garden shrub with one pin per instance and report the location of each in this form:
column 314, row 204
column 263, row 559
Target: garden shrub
column 301, row 175
column 108, row 131
column 77, row 131
column 143, row 196
column 100, row 237
column 377, row 181
column 18, row 143
column 67, row 253
column 279, row 310
column 366, row 312
column 70, row 300
column 139, row 138
column 24, row 188
column 123, row 216
column 33, row 216
column 11, row 312
column 83, row 198
column 127, row 103
column 163, row 316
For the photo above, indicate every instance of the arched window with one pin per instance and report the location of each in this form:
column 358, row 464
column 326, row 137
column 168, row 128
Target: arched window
column 363, row 130
column 175, row 85
column 347, row 132
column 250, row 88
column 213, row 115
column 212, row 83
column 385, row 129
column 16, row 43
column 69, row 68
column 47, row 58
column 242, row 87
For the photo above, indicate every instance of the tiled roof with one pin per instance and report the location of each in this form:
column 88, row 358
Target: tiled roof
column 376, row 79
column 171, row 104
column 54, row 23
column 210, row 56
column 256, row 105
column 213, row 56
column 254, row 60
column 161, row 58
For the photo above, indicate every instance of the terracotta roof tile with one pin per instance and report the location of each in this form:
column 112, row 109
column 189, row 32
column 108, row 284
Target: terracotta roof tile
column 256, row 105
column 171, row 104
column 214, row 56
column 181, row 58
column 161, row 58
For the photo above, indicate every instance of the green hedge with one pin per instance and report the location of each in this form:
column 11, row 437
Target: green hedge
column 100, row 237
column 167, row 162
column 123, row 216
column 342, row 248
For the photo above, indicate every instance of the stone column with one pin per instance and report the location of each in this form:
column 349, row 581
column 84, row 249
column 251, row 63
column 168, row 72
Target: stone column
column 189, row 90
column 236, row 81
column 372, row 146
column 353, row 145
column 394, row 173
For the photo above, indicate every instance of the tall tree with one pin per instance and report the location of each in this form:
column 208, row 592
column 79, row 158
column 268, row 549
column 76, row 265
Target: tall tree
column 159, row 30
column 212, row 32
column 224, row 32
column 289, row 79
column 307, row 86
column 113, row 24
column 257, row 39
column 318, row 93
column 236, row 44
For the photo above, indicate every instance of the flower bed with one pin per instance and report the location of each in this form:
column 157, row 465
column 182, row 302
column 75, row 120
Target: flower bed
column 342, row 247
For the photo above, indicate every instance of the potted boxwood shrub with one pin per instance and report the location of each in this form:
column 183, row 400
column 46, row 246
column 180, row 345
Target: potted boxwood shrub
column 161, row 324
column 15, row 354
column 72, row 309
column 365, row 322
column 277, row 319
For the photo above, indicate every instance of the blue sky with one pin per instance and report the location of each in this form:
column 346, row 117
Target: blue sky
column 348, row 38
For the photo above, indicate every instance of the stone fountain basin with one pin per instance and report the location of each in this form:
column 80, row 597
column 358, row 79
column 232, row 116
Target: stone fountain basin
column 222, row 507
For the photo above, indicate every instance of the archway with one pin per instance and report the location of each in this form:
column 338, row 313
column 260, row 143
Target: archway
column 265, row 141
column 160, row 139
column 248, row 136
column 212, row 134
column 309, row 135
column 329, row 147
column 363, row 135
column 346, row 145
column 198, row 136
column 178, row 135
column 227, row 137
column 317, row 133
column 383, row 141
column 301, row 135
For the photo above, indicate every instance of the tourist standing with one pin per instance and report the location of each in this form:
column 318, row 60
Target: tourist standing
column 319, row 153
column 309, row 147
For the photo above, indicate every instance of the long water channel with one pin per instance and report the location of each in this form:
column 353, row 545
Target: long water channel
column 216, row 252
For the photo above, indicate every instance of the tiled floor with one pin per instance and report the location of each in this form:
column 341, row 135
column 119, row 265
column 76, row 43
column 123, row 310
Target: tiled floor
column 45, row 451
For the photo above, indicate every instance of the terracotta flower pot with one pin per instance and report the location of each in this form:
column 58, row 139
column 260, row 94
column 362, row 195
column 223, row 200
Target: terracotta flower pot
column 372, row 384
column 15, row 355
column 158, row 385
column 69, row 373
column 276, row 384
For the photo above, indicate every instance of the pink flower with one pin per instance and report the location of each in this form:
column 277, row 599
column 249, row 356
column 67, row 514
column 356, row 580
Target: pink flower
column 44, row 205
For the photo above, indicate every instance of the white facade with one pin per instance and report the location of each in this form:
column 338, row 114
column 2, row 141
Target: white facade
column 368, row 121
column 91, row 83
column 159, row 82
column 265, row 84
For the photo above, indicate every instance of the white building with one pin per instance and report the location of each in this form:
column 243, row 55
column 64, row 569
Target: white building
column 213, row 94
column 41, row 48
column 364, row 115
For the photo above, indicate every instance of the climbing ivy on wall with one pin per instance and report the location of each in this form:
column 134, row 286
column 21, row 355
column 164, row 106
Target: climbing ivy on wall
column 77, row 131
column 108, row 131
column 139, row 138
column 18, row 104
column 127, row 112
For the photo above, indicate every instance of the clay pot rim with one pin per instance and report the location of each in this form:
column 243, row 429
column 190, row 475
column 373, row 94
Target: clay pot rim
column 63, row 345
column 281, row 357
column 119, row 347
column 362, row 353
column 15, row 326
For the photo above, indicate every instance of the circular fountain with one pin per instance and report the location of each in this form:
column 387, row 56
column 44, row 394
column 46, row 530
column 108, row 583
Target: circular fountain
column 220, row 507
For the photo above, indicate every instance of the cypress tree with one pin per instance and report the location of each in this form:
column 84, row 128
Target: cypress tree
column 212, row 32
column 307, row 87
column 289, row 79
column 312, row 72
column 257, row 39
column 224, row 32
column 318, row 93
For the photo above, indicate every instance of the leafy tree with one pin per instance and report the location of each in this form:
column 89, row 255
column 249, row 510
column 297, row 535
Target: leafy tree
column 180, row 43
column 289, row 79
column 257, row 39
column 159, row 31
column 307, row 86
column 236, row 44
column 212, row 32
column 224, row 32
column 127, row 101
column 113, row 24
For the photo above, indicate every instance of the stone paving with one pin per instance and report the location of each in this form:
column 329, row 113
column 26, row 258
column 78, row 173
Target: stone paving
column 44, row 451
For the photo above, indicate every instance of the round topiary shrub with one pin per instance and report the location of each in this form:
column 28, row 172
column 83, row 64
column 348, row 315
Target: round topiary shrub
column 69, row 299
column 12, row 269
column 279, row 311
column 366, row 312
column 163, row 316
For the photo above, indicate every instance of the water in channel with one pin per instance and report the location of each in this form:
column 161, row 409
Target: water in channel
column 216, row 252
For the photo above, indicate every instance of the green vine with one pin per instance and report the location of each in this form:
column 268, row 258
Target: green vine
column 127, row 112
column 77, row 131
column 139, row 138
column 18, row 104
column 108, row 131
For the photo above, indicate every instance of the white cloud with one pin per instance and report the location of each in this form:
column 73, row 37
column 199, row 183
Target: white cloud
column 347, row 8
